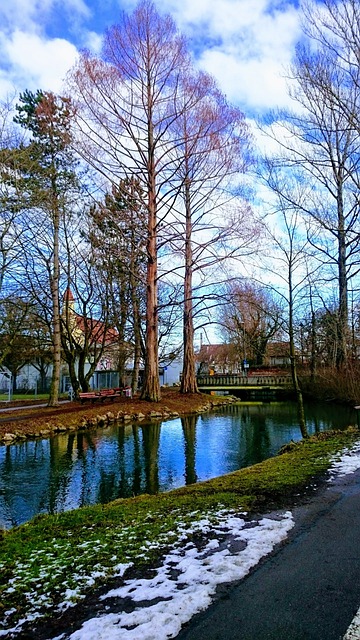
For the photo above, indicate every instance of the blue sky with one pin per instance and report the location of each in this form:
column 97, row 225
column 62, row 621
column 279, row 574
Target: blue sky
column 245, row 44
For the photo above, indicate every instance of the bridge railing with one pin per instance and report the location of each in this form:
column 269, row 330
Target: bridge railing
column 238, row 380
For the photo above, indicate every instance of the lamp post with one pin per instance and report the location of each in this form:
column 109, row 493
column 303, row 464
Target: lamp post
column 245, row 362
column 302, row 342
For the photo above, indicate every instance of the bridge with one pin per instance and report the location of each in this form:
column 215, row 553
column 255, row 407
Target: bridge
column 256, row 383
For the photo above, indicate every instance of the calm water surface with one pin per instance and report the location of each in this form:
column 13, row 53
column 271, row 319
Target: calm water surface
column 76, row 469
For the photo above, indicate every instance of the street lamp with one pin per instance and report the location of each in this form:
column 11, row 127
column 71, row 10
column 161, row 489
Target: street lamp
column 302, row 342
column 245, row 362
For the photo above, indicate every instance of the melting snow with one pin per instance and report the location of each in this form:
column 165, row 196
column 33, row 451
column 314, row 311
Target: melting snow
column 346, row 462
column 186, row 582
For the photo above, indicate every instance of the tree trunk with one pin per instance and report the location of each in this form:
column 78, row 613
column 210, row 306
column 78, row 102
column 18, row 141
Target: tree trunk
column 343, row 293
column 137, row 343
column 188, row 378
column 73, row 377
column 135, row 303
column 151, row 387
column 123, row 354
column 83, row 355
column 298, row 394
column 42, row 376
column 54, row 285
column 14, row 383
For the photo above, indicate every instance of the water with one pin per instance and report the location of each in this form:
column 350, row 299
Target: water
column 76, row 469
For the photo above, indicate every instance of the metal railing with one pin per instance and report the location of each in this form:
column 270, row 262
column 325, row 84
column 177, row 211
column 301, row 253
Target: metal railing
column 238, row 380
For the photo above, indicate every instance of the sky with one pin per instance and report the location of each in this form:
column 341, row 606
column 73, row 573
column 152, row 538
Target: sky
column 245, row 44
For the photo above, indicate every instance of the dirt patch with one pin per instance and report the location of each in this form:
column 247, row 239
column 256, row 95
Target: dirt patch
column 43, row 421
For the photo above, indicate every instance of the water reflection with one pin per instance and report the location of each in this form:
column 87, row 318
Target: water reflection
column 188, row 424
column 77, row 469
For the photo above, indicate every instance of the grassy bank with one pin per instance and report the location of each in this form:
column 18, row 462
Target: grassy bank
column 55, row 561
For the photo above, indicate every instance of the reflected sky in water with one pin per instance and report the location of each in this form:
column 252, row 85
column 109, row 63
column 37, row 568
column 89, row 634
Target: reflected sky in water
column 77, row 469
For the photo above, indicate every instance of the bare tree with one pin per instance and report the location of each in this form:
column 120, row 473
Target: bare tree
column 14, row 334
column 250, row 317
column 10, row 229
column 334, row 28
column 321, row 149
column 126, row 104
column 212, row 150
column 288, row 260
column 86, row 333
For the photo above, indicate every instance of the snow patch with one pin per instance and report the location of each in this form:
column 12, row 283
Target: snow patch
column 348, row 461
column 186, row 582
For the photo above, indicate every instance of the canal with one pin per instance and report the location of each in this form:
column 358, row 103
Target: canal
column 96, row 466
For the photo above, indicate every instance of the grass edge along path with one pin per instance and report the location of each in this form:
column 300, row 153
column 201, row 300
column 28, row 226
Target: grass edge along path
column 55, row 561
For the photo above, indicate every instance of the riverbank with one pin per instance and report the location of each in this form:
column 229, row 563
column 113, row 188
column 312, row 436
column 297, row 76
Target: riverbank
column 56, row 569
column 33, row 422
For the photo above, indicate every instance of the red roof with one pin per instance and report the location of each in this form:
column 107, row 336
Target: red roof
column 96, row 330
column 68, row 296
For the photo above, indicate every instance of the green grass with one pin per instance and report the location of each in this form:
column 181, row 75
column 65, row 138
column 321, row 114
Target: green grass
column 24, row 396
column 76, row 551
column 42, row 397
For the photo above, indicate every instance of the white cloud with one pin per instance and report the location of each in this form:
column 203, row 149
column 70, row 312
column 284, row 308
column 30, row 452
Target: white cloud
column 93, row 41
column 256, row 84
column 32, row 14
column 247, row 47
column 36, row 63
column 244, row 44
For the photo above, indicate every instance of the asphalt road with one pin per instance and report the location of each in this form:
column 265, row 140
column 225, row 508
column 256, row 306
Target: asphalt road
column 308, row 589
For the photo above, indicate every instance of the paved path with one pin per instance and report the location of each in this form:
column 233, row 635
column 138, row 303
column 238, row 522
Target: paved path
column 17, row 418
column 309, row 589
column 30, row 406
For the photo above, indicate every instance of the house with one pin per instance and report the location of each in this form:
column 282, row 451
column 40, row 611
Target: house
column 99, row 335
column 100, row 338
column 219, row 358
column 277, row 354
column 226, row 358
column 170, row 372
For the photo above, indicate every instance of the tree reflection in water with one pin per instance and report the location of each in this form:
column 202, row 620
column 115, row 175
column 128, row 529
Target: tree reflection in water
column 188, row 424
column 77, row 469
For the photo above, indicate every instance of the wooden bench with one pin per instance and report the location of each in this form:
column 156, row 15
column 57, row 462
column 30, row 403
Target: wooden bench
column 104, row 394
column 92, row 396
column 110, row 394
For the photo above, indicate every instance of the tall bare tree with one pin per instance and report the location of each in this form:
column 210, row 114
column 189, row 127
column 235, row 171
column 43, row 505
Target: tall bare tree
column 10, row 229
column 334, row 28
column 212, row 150
column 287, row 264
column 127, row 102
column 319, row 146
